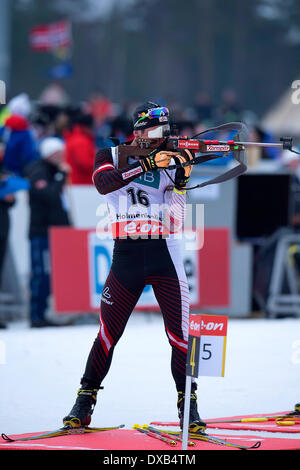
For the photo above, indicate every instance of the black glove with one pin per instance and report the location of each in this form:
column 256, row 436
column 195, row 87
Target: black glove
column 159, row 160
column 183, row 174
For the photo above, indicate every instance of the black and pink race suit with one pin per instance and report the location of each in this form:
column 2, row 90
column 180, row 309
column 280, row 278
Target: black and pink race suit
column 146, row 252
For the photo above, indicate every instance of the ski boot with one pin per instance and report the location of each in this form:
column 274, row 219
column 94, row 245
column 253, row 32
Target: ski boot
column 296, row 411
column 196, row 425
column 81, row 413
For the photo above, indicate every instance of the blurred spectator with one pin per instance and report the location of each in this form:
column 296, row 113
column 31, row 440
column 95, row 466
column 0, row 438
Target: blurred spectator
column 121, row 125
column 48, row 208
column 203, row 107
column 100, row 107
column 116, row 129
column 41, row 126
column 291, row 161
column 4, row 114
column 103, row 135
column 267, row 153
column 54, row 95
column 20, row 148
column 6, row 202
column 52, row 120
column 254, row 154
column 62, row 122
column 229, row 109
column 186, row 129
column 20, row 105
column 81, row 149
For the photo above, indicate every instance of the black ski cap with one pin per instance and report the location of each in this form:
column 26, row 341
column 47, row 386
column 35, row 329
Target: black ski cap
column 143, row 123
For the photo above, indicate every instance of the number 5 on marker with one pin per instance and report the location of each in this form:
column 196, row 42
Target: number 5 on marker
column 207, row 346
column 206, row 356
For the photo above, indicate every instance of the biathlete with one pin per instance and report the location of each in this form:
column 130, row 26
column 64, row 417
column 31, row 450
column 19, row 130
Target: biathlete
column 139, row 261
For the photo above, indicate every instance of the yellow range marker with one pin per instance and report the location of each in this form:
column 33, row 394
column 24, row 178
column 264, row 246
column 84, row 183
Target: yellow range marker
column 242, row 420
column 281, row 421
column 285, row 423
column 278, row 421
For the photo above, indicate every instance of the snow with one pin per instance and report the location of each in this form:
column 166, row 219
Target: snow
column 40, row 370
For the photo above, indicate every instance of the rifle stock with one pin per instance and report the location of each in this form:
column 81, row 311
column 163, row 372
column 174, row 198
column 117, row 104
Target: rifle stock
column 143, row 148
column 203, row 150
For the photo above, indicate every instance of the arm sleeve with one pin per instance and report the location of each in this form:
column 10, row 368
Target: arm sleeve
column 107, row 178
column 176, row 209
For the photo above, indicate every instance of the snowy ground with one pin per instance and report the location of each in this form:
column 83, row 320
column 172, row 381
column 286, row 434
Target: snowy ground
column 40, row 371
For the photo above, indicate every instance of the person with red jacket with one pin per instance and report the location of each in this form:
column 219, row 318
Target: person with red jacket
column 80, row 150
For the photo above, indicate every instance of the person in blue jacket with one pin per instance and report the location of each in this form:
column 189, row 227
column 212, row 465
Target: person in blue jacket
column 20, row 146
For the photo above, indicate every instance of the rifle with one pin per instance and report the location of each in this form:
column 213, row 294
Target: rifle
column 203, row 150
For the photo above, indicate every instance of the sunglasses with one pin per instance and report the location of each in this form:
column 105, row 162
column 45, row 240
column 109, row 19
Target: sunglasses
column 153, row 113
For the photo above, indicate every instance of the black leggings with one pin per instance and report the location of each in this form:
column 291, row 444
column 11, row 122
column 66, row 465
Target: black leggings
column 137, row 263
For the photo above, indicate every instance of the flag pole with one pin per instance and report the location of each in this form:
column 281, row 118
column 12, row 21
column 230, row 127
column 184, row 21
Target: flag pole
column 186, row 412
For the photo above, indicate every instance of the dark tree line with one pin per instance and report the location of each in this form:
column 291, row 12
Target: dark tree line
column 166, row 48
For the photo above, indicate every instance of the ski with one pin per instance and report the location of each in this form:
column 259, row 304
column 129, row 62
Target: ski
column 291, row 416
column 168, row 440
column 283, row 422
column 64, row 431
column 215, row 440
column 165, row 434
column 278, row 418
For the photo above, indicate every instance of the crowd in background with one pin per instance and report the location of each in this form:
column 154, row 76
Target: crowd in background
column 98, row 122
column 50, row 142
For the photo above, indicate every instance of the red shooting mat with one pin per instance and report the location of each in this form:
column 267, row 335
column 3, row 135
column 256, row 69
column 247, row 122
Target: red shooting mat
column 270, row 426
column 134, row 440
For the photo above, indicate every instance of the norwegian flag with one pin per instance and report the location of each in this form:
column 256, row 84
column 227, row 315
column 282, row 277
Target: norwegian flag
column 52, row 36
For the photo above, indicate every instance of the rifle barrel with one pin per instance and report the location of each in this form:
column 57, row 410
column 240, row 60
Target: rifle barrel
column 259, row 144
